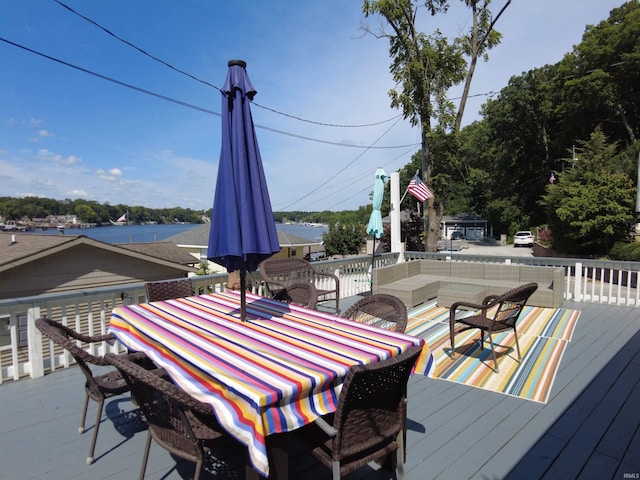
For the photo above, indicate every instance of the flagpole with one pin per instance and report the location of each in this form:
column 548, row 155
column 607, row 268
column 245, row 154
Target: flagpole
column 404, row 194
column 407, row 189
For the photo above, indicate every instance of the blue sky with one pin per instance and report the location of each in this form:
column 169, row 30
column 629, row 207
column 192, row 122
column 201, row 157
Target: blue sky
column 69, row 134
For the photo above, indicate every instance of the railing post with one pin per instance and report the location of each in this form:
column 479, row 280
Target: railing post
column 577, row 282
column 34, row 344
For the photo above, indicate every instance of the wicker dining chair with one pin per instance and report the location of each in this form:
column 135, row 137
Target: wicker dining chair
column 303, row 294
column 497, row 313
column 97, row 387
column 381, row 310
column 280, row 273
column 166, row 290
column 369, row 420
column 178, row 422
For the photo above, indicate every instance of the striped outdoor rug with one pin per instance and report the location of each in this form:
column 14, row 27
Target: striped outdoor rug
column 543, row 334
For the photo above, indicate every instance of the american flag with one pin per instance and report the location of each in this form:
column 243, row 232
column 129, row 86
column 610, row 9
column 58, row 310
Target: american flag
column 418, row 189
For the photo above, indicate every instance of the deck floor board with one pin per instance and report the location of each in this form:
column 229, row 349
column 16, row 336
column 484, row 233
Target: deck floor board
column 589, row 428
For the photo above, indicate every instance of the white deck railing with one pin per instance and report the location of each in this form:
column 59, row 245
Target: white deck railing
column 23, row 352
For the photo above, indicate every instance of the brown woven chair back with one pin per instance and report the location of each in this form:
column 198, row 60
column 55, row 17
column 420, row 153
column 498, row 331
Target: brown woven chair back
column 509, row 305
column 177, row 421
column 496, row 314
column 370, row 411
column 303, row 294
column 369, row 420
column 381, row 310
column 66, row 338
column 97, row 387
column 281, row 273
column 166, row 290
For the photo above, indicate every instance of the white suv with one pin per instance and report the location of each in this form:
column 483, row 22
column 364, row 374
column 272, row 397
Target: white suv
column 524, row 238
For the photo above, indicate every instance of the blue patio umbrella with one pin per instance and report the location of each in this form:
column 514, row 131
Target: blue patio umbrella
column 243, row 230
column 374, row 227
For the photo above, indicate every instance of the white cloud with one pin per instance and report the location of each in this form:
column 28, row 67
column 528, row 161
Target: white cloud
column 47, row 156
column 43, row 183
column 104, row 175
column 78, row 194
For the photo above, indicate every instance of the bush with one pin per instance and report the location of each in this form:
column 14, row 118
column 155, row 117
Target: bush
column 545, row 237
column 625, row 252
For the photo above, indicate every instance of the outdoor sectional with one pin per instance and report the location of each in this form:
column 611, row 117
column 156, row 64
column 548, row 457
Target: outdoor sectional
column 418, row 281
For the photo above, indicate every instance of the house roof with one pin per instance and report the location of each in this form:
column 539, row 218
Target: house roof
column 164, row 250
column 17, row 249
column 199, row 237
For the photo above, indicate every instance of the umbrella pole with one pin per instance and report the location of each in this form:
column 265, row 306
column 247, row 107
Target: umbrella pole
column 243, row 295
column 373, row 260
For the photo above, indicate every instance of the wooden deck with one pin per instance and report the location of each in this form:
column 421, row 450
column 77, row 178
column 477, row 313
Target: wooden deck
column 588, row 429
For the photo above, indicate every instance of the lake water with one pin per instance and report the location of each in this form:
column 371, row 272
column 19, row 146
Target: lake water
column 154, row 233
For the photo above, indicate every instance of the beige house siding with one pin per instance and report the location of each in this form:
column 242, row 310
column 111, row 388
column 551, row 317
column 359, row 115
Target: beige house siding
column 79, row 267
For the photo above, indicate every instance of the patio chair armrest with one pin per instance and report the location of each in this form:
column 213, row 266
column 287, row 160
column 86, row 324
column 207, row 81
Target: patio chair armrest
column 489, row 299
column 274, row 286
column 158, row 380
column 107, row 337
column 454, row 307
column 326, row 427
column 330, row 275
column 327, row 274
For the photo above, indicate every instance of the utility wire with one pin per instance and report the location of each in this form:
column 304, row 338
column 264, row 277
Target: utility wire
column 343, row 168
column 193, row 77
column 364, row 176
column 189, row 105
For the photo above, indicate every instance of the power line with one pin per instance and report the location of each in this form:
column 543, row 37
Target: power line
column 189, row 105
column 343, row 168
column 193, row 77
column 366, row 175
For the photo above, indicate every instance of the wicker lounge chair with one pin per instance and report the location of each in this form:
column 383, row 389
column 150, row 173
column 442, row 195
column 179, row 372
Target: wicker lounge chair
column 165, row 290
column 280, row 273
column 496, row 314
column 177, row 422
column 381, row 310
column 369, row 419
column 97, row 387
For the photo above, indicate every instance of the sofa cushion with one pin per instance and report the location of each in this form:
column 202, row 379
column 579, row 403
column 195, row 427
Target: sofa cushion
column 502, row 272
column 413, row 268
column 467, row 270
column 389, row 274
column 543, row 276
column 435, row 267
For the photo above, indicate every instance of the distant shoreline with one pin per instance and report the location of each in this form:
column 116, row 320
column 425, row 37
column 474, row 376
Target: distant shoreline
column 115, row 234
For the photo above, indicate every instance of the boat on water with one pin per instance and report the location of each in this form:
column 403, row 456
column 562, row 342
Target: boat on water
column 122, row 220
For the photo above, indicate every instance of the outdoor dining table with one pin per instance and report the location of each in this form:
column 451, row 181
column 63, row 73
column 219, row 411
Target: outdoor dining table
column 280, row 369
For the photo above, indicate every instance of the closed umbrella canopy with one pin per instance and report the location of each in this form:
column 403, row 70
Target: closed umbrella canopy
column 243, row 230
column 374, row 227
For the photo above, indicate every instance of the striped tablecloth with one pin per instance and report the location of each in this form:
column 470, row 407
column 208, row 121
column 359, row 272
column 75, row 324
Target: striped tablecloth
column 276, row 372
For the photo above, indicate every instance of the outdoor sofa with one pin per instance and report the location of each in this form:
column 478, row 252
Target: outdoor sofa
column 418, row 281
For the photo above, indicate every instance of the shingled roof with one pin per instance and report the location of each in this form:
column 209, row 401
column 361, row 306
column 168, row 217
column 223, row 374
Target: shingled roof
column 199, row 236
column 165, row 250
column 20, row 248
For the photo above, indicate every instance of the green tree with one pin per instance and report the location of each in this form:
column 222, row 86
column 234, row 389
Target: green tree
column 601, row 79
column 425, row 67
column 344, row 239
column 592, row 204
column 86, row 214
column 519, row 151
